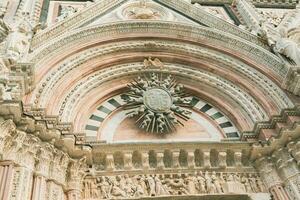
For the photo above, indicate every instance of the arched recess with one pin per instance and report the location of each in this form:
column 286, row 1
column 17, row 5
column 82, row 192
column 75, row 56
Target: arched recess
column 107, row 124
column 87, row 68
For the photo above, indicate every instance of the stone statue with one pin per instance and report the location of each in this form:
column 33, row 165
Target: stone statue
column 65, row 12
column 116, row 191
column 201, row 181
column 260, row 185
column 87, row 189
column 159, row 187
column 216, row 182
column 279, row 41
column 245, row 181
column 105, row 187
column 252, row 181
column 211, row 188
column 287, row 47
column 5, row 91
column 94, row 189
column 191, row 184
column 142, row 12
column 140, row 187
column 18, row 39
column 151, row 185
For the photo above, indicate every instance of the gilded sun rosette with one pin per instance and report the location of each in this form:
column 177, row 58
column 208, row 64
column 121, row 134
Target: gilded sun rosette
column 157, row 102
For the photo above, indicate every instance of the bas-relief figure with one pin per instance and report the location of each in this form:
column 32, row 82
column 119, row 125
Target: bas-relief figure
column 126, row 186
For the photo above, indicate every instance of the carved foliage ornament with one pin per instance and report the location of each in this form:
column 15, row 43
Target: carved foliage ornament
column 157, row 102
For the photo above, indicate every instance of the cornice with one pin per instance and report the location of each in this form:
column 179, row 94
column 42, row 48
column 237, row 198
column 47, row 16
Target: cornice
column 47, row 128
column 285, row 134
column 258, row 3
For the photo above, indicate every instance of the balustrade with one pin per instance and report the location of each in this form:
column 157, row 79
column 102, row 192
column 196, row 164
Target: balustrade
column 158, row 158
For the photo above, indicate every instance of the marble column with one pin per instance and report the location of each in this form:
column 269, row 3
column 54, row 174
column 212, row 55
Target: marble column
column 288, row 171
column 54, row 191
column 175, row 156
column 110, row 162
column 206, row 159
column 271, row 178
column 238, row 158
column 128, row 160
column 160, row 160
column 6, row 178
column 191, row 159
column 39, row 187
column 21, row 184
column 145, row 160
column 222, row 159
column 41, row 172
column 74, row 191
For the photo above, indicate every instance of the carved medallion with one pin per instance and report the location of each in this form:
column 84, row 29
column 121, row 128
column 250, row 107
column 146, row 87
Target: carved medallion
column 144, row 10
column 157, row 102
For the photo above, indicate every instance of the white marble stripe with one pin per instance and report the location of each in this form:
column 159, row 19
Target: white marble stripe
column 109, row 106
column 221, row 120
column 211, row 111
column 119, row 100
column 90, row 133
column 93, row 123
column 230, row 129
column 100, row 114
column 199, row 105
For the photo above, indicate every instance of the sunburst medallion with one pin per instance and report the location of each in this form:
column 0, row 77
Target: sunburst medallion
column 157, row 102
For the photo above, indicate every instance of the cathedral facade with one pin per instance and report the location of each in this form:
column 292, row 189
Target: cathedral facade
column 149, row 99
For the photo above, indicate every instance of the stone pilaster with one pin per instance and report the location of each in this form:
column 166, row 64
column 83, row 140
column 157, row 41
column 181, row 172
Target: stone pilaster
column 6, row 177
column 76, row 173
column 21, row 184
column 54, row 191
column 41, row 173
column 288, row 171
column 271, row 178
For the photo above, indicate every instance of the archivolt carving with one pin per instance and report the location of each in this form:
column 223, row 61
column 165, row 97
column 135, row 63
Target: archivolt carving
column 254, row 110
column 216, row 38
column 267, row 86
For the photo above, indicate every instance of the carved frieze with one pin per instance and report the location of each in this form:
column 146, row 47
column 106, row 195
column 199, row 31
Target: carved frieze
column 144, row 185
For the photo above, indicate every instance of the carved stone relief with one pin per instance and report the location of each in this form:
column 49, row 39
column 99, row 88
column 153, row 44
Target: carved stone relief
column 135, row 186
